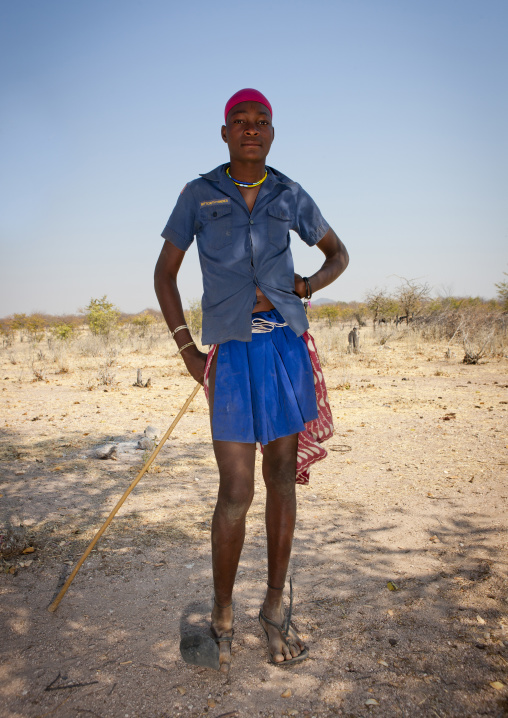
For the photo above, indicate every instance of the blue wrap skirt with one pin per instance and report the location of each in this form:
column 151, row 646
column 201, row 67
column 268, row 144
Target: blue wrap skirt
column 264, row 389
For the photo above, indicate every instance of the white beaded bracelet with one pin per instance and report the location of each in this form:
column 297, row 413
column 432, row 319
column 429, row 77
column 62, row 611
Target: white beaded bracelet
column 183, row 326
column 185, row 347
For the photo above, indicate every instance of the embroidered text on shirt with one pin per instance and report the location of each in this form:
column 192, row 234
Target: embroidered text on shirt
column 214, row 201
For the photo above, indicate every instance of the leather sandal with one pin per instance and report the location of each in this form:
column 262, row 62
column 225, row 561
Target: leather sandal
column 284, row 632
column 222, row 639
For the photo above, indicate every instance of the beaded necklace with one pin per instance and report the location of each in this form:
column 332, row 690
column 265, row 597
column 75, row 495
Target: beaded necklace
column 247, row 184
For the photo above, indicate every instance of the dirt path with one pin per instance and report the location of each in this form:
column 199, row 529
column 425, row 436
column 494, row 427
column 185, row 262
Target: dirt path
column 413, row 492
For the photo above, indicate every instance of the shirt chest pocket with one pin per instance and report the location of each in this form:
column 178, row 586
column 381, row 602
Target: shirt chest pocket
column 279, row 223
column 217, row 222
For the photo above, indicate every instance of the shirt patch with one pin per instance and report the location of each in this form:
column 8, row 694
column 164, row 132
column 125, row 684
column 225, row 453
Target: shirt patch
column 184, row 189
column 214, row 201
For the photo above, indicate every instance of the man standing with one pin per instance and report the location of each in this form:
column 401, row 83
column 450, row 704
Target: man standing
column 259, row 374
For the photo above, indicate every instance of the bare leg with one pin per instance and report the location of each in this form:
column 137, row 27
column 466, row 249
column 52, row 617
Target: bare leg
column 279, row 473
column 236, row 489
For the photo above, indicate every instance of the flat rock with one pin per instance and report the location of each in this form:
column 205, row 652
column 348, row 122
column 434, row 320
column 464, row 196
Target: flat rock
column 106, row 451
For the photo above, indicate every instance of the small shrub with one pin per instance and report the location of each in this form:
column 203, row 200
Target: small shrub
column 38, row 371
column 194, row 317
column 502, row 293
column 111, row 357
column 385, row 338
column 102, row 316
column 6, row 332
column 91, row 346
column 33, row 327
column 105, row 377
column 18, row 322
column 62, row 332
column 330, row 313
column 142, row 323
column 412, row 297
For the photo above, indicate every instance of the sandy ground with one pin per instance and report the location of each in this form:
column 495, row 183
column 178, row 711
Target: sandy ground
column 413, row 492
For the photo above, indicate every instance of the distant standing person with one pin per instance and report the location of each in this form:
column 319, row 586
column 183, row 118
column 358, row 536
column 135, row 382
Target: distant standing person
column 259, row 372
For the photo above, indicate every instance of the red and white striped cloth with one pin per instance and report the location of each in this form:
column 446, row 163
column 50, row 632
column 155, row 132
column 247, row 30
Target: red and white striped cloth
column 316, row 431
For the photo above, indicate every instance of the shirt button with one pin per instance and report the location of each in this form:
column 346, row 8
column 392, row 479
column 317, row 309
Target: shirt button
column 251, row 221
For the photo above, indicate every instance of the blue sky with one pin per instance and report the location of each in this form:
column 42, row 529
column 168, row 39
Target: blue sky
column 392, row 114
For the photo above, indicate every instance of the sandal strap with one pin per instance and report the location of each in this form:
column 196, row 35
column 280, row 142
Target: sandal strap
column 287, row 620
column 278, row 626
column 222, row 639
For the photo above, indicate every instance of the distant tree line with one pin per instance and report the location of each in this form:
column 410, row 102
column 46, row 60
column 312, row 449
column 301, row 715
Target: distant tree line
column 101, row 317
column 411, row 302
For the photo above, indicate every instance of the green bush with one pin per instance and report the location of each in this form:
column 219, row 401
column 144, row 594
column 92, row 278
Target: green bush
column 194, row 317
column 329, row 312
column 502, row 293
column 102, row 316
column 61, row 331
column 33, row 326
column 142, row 322
column 6, row 332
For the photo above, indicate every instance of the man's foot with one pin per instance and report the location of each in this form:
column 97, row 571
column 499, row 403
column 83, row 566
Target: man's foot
column 222, row 632
column 284, row 644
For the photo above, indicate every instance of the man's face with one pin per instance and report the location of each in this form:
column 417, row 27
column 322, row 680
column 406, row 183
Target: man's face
column 248, row 131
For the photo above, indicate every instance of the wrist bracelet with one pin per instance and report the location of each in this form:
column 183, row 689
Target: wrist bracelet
column 308, row 288
column 183, row 326
column 185, row 347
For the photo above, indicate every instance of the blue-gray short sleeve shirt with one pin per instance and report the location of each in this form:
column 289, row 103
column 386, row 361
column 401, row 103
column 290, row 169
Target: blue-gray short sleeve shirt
column 239, row 250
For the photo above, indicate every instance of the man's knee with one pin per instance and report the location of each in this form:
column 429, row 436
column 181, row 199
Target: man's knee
column 280, row 476
column 279, row 461
column 235, row 499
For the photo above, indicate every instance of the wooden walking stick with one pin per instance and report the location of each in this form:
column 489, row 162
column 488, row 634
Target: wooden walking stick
column 54, row 605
